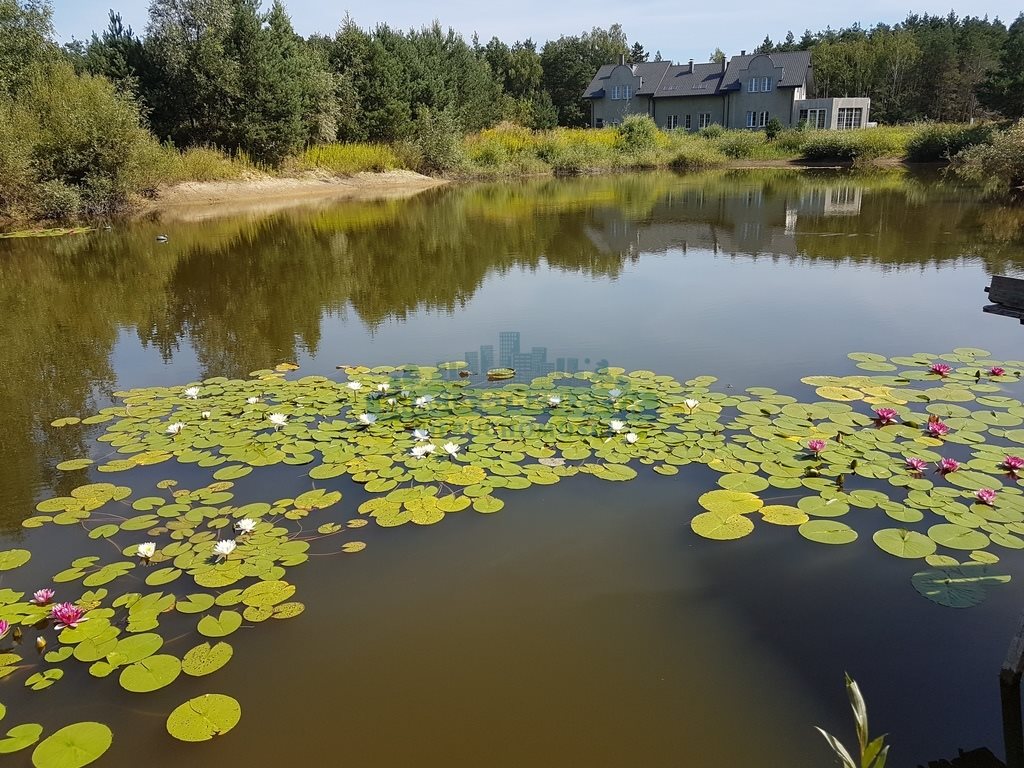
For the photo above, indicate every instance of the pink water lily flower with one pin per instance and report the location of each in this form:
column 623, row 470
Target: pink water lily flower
column 886, row 416
column 986, row 496
column 937, row 428
column 941, row 369
column 997, row 371
column 67, row 615
column 816, row 446
column 1013, row 463
column 917, row 465
column 42, row 597
column 948, row 465
column 5, row 627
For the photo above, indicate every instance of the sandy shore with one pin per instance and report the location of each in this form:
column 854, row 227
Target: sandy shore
column 194, row 201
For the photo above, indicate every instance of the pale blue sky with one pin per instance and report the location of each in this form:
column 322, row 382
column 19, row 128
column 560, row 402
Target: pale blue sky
column 680, row 30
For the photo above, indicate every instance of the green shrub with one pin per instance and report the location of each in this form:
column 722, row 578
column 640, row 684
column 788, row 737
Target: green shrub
column 694, row 155
column 858, row 144
column 712, row 131
column 997, row 166
column 56, row 200
column 791, row 141
column 638, row 133
column 773, row 129
column 438, row 137
column 940, row 141
column 740, row 144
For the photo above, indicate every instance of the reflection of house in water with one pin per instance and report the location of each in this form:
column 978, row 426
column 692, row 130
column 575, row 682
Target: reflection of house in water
column 743, row 221
column 527, row 365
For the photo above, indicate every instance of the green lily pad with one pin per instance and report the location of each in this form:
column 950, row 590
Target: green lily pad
column 710, row 525
column 828, row 532
column 221, row 626
column 14, row 558
column 204, row 717
column 957, row 536
column 19, row 737
column 150, row 674
column 73, row 746
column 205, row 659
column 903, row 543
column 959, row 586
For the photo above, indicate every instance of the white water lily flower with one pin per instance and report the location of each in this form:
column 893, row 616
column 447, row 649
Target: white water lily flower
column 391, row 401
column 631, row 437
column 354, row 385
column 404, row 393
column 252, row 400
column 451, row 448
column 382, row 387
column 207, row 414
column 422, row 450
column 421, row 434
column 147, row 550
column 613, row 393
column 691, row 403
column 554, row 400
column 278, row 419
column 617, row 425
column 422, row 402
column 366, row 419
column 192, row 393
column 224, row 548
column 245, row 525
column 175, row 428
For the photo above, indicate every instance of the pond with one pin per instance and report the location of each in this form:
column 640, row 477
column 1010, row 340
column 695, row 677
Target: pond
column 585, row 623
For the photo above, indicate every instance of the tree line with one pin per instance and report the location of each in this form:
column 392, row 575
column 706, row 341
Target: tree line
column 236, row 75
column 945, row 68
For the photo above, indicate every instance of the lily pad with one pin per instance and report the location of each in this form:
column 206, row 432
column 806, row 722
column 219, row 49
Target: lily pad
column 828, row 532
column 204, row 717
column 73, row 746
column 903, row 543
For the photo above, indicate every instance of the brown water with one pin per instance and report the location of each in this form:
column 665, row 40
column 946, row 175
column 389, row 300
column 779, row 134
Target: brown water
column 584, row 625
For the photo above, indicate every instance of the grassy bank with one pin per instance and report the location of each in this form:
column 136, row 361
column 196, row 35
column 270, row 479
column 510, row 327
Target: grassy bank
column 56, row 170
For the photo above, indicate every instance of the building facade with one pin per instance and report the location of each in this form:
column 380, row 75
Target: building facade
column 742, row 92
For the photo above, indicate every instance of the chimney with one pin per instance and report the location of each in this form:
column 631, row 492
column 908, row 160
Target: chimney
column 691, row 66
column 743, row 53
column 723, row 65
column 622, row 59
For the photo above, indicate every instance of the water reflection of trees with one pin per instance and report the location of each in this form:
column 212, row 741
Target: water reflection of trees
column 245, row 292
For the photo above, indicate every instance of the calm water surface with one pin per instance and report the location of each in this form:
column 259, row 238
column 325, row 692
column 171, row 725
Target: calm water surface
column 584, row 625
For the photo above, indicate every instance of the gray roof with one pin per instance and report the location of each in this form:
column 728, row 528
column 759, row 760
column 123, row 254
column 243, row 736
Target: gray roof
column 662, row 79
column 650, row 72
column 704, row 80
column 795, row 67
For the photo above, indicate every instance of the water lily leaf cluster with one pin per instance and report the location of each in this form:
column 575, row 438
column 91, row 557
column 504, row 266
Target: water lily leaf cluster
column 916, row 453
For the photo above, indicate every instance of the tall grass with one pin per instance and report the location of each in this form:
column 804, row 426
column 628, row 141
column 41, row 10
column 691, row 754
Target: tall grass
column 348, row 159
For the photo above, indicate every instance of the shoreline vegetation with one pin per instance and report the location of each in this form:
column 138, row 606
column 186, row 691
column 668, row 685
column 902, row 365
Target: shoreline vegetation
column 227, row 91
column 983, row 154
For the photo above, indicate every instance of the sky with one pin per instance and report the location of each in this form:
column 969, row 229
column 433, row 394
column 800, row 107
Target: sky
column 680, row 30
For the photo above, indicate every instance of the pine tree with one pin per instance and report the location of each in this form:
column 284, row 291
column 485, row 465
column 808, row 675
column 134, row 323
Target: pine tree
column 637, row 54
column 1003, row 91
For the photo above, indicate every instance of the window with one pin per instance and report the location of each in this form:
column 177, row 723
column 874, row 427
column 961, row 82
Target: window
column 813, row 118
column 751, row 119
column 753, row 86
column 599, row 122
column 703, row 119
column 849, row 118
column 617, row 92
column 762, row 119
column 629, row 92
column 672, row 122
column 766, row 84
column 687, row 122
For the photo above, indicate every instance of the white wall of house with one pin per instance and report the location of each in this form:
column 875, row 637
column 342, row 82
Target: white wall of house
column 833, row 114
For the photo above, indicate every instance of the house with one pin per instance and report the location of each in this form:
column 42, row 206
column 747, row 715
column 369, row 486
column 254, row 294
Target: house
column 743, row 92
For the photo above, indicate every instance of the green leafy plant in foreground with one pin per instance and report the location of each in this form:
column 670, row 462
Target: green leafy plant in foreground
column 873, row 752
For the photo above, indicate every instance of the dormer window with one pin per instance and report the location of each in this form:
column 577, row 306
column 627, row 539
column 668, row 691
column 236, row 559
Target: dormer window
column 754, row 86
column 766, row 84
column 629, row 92
column 622, row 92
column 616, row 92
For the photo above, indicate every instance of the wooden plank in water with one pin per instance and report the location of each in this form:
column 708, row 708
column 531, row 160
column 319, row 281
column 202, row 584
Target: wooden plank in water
column 1007, row 291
